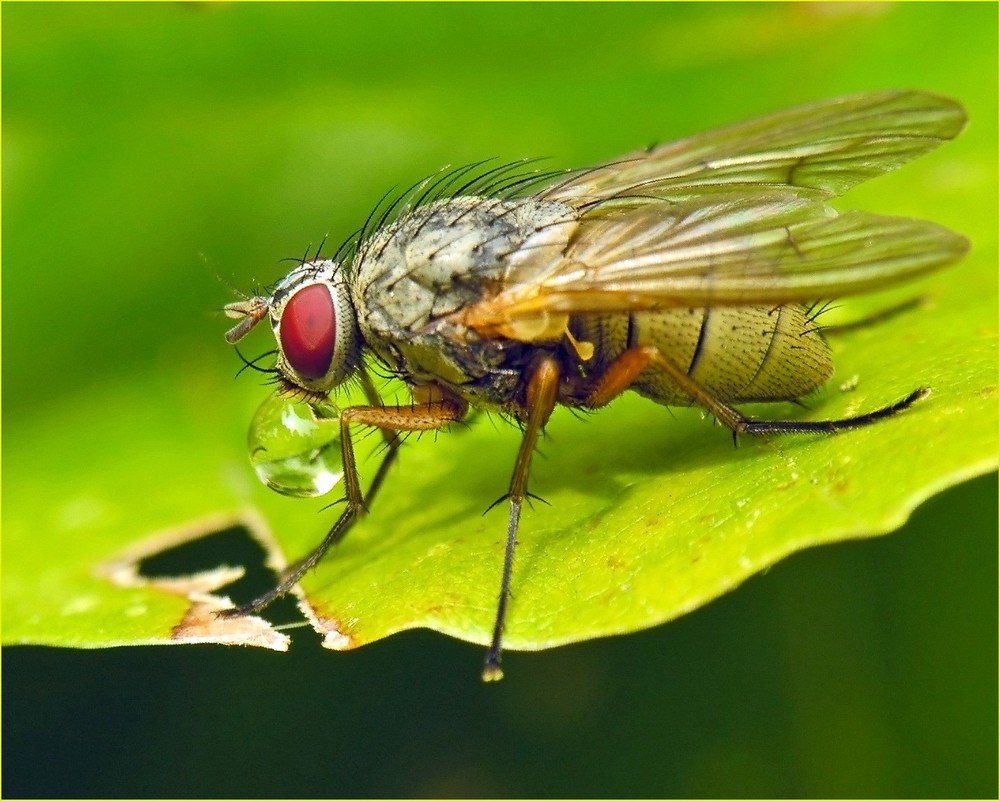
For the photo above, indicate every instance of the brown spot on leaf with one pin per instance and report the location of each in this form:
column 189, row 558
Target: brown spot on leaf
column 334, row 632
column 200, row 623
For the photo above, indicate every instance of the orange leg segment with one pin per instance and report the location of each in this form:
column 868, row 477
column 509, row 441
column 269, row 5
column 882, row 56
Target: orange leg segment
column 417, row 417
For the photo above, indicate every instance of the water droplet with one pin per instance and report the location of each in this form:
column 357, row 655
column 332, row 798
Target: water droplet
column 295, row 445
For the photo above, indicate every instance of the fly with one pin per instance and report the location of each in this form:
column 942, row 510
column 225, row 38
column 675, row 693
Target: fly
column 686, row 273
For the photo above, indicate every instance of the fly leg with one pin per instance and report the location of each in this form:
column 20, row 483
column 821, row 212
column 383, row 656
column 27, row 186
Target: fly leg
column 540, row 400
column 294, row 573
column 627, row 366
column 392, row 420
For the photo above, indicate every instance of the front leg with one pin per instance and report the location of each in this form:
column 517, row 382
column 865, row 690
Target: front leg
column 426, row 416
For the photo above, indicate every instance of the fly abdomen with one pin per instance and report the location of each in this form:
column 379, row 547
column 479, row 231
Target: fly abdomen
column 738, row 354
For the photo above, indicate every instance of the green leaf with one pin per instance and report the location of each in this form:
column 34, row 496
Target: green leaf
column 650, row 512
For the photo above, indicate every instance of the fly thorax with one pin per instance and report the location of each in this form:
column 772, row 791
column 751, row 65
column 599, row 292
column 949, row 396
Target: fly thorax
column 414, row 274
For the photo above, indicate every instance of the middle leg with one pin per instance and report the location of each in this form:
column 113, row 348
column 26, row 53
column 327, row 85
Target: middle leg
column 540, row 399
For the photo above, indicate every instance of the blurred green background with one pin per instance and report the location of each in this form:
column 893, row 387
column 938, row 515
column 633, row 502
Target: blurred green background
column 148, row 149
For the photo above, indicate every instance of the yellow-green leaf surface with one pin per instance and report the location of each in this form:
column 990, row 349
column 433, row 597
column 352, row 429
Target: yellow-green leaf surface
column 124, row 433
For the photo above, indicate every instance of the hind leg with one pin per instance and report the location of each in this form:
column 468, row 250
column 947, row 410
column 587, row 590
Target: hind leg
column 625, row 369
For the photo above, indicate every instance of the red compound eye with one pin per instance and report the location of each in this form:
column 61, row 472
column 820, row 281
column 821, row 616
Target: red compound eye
column 309, row 331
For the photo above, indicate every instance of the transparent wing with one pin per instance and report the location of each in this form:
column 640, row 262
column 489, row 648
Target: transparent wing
column 828, row 146
column 723, row 248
